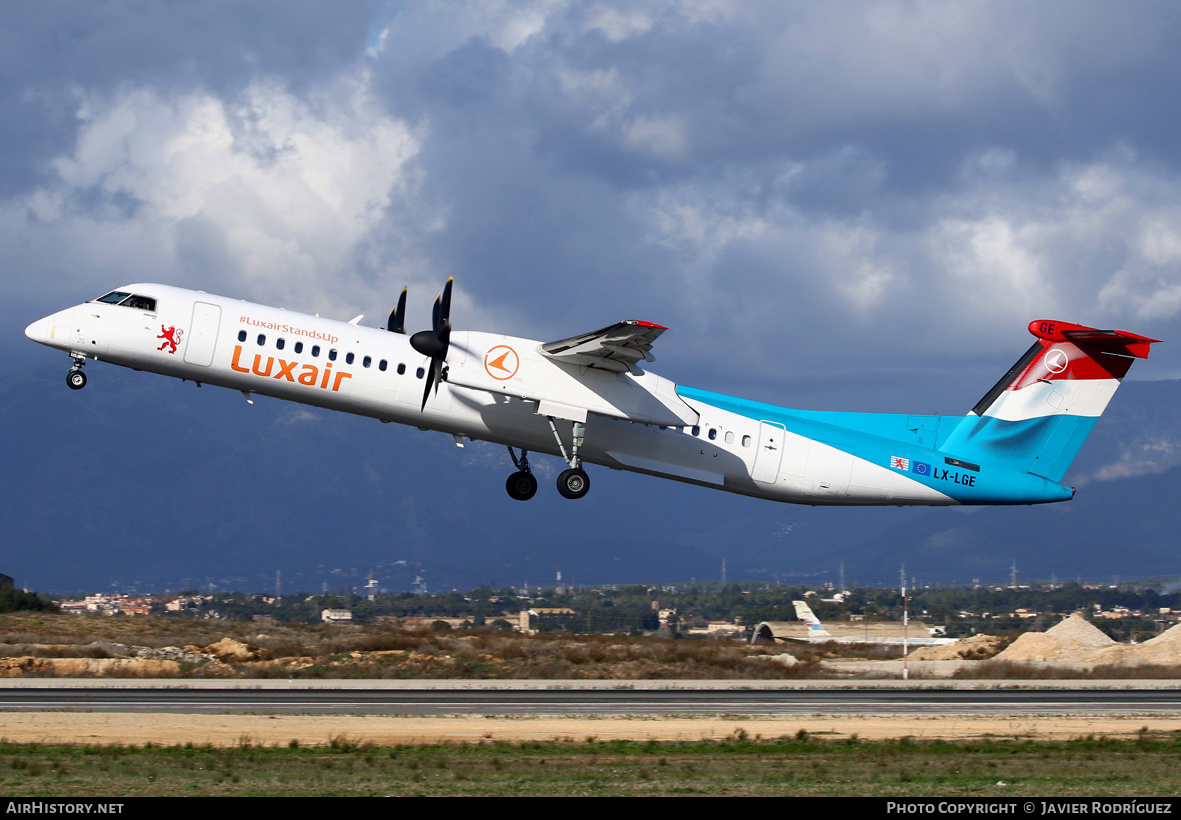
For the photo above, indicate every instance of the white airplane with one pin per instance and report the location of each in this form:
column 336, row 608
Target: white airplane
column 587, row 400
column 765, row 633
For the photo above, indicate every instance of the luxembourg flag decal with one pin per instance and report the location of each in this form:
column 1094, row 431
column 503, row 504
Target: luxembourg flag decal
column 897, row 463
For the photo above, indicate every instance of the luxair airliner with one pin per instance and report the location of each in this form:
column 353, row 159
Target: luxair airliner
column 589, row 401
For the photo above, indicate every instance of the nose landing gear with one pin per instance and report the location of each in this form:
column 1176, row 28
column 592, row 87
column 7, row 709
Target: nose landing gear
column 75, row 378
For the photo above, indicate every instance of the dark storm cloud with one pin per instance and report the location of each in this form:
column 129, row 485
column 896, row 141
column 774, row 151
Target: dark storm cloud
column 841, row 205
column 857, row 189
column 51, row 52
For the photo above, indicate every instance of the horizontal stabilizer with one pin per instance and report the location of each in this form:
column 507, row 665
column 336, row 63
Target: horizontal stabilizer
column 1117, row 341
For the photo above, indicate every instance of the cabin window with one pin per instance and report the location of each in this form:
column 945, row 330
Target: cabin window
column 746, row 441
column 381, row 365
column 368, row 360
column 713, row 434
column 241, row 335
column 262, row 340
column 279, row 344
column 401, row 370
column 729, row 436
column 299, row 347
column 332, row 355
column 315, row 350
column 348, row 359
column 419, row 373
column 696, row 431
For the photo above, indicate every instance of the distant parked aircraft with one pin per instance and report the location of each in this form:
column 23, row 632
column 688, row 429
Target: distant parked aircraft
column 818, row 634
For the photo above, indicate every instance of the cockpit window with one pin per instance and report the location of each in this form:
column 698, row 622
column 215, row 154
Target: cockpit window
column 120, row 297
column 141, row 303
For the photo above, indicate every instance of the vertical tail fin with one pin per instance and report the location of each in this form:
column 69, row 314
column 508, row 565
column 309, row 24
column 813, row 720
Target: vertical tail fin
column 1037, row 416
column 815, row 628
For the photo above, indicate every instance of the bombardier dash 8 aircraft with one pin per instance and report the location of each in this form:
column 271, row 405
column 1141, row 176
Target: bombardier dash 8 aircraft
column 587, row 400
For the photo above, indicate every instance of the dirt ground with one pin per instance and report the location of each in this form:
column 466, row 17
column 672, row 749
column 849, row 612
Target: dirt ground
column 234, row 730
column 1065, row 643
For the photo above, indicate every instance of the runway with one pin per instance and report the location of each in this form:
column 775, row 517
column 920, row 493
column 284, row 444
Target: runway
column 534, row 702
column 393, row 713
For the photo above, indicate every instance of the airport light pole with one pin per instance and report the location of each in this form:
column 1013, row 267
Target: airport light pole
column 905, row 626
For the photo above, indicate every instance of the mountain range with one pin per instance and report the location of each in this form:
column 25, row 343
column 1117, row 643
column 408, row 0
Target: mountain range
column 140, row 483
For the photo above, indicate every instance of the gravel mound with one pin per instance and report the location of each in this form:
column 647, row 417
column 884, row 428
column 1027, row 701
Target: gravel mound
column 975, row 648
column 1074, row 639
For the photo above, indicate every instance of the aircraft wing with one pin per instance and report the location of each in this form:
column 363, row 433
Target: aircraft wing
column 616, row 348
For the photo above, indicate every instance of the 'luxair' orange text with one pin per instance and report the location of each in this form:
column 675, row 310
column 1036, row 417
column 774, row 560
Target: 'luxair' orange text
column 310, row 375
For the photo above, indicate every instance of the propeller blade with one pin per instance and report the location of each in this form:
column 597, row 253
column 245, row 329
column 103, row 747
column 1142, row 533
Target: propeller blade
column 445, row 308
column 397, row 320
column 436, row 341
column 432, row 380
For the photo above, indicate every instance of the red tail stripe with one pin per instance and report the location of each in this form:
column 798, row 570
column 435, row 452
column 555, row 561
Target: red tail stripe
column 1066, row 361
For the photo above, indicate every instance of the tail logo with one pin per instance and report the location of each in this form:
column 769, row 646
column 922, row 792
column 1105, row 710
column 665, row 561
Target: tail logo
column 172, row 336
column 1056, row 360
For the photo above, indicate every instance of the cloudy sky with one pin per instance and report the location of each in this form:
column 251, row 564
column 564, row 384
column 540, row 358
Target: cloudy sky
column 842, row 203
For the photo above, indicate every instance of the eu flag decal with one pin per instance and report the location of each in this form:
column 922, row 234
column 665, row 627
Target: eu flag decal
column 921, row 468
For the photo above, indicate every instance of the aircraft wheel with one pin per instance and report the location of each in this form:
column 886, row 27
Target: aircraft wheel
column 76, row 379
column 521, row 486
column 573, row 483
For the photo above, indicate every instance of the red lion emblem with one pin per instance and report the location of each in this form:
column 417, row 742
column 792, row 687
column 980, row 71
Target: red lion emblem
column 171, row 336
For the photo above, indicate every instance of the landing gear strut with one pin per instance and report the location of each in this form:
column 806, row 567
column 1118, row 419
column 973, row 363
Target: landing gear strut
column 75, row 378
column 521, row 485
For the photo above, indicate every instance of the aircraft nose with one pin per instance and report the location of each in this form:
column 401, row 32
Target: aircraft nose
column 39, row 330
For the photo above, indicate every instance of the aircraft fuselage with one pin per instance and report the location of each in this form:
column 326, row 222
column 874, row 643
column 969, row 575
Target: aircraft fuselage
column 503, row 389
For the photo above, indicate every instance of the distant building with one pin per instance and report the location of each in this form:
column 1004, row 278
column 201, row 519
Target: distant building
column 336, row 616
column 107, row 605
column 526, row 616
column 5, row 581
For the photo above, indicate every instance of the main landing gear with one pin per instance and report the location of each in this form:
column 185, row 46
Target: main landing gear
column 75, row 378
column 521, row 485
column 572, row 483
